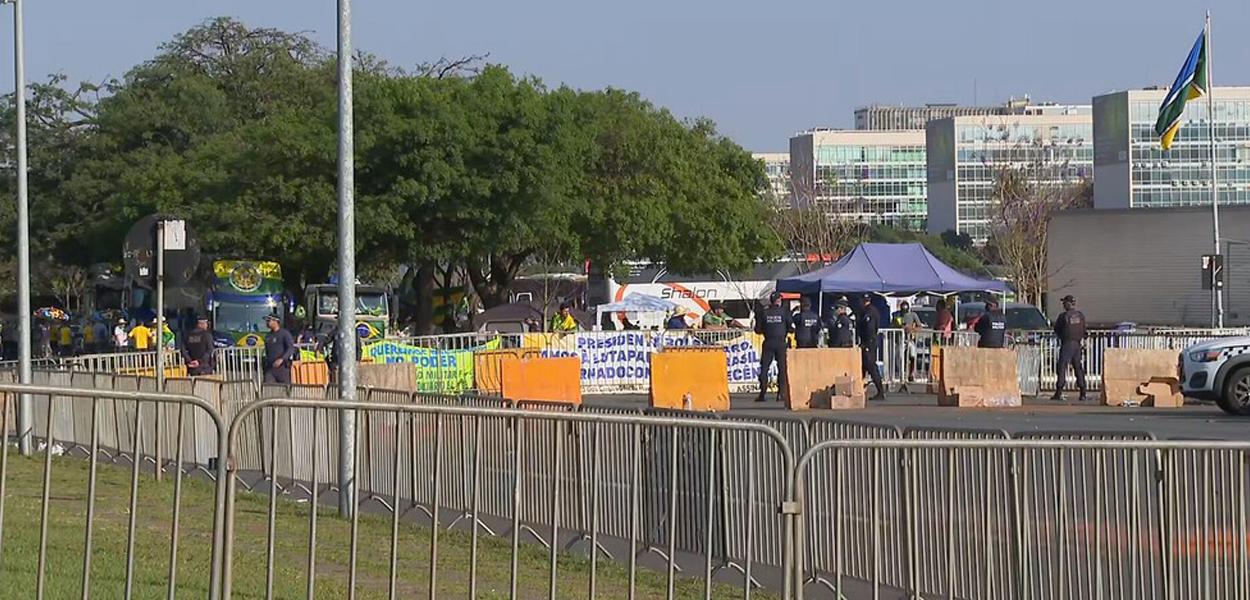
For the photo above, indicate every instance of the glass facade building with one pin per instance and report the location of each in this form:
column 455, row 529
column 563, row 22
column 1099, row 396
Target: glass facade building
column 876, row 177
column 965, row 153
column 1133, row 171
column 777, row 168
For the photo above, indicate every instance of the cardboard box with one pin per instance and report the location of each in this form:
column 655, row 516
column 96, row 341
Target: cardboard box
column 1126, row 370
column 990, row 373
column 813, row 376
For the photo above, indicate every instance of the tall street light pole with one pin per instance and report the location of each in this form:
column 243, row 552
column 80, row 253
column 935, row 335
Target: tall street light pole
column 345, row 346
column 25, row 408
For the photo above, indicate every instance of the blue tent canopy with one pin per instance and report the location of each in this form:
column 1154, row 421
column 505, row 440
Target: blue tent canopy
column 888, row 269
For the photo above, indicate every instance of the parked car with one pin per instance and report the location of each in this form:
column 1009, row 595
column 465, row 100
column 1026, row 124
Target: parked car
column 1019, row 316
column 1219, row 370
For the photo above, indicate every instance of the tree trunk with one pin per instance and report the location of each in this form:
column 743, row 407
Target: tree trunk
column 493, row 282
column 424, row 289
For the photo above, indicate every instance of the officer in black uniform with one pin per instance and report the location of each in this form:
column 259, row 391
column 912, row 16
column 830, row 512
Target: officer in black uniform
column 992, row 326
column 867, row 323
column 279, row 351
column 1070, row 329
column 774, row 324
column 197, row 349
column 806, row 326
column 841, row 330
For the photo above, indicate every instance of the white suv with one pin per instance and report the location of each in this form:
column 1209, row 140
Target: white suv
column 1219, row 370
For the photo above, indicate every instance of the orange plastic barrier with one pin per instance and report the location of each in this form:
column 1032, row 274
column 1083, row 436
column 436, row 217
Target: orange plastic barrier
column 824, row 378
column 542, row 379
column 488, row 367
column 1147, row 377
column 690, row 379
column 310, row 372
column 979, row 377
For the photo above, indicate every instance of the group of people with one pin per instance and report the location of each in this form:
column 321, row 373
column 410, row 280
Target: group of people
column 65, row 339
column 806, row 327
column 776, row 325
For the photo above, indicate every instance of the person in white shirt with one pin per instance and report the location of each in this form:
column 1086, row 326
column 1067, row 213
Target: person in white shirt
column 121, row 339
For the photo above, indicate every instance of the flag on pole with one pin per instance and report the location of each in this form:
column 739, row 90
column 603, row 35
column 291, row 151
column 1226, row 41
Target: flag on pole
column 1190, row 83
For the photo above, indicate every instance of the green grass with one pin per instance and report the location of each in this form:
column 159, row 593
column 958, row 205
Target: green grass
column 66, row 528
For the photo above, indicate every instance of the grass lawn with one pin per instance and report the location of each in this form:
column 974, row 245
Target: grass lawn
column 66, row 530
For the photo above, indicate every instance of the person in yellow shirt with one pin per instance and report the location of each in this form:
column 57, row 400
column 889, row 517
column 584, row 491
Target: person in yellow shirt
column 141, row 336
column 65, row 340
column 88, row 336
column 563, row 321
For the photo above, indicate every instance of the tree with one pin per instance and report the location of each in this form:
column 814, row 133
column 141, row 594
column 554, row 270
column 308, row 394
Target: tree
column 957, row 240
column 1027, row 191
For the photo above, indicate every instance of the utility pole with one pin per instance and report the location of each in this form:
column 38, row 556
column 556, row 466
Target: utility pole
column 345, row 345
column 25, row 407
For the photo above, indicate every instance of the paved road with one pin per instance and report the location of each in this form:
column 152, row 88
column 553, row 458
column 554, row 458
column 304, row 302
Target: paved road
column 1193, row 421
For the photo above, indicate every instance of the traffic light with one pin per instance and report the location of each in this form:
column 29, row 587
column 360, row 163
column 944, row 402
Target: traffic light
column 1212, row 271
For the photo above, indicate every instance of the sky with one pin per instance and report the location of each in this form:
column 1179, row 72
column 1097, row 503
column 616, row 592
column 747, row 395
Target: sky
column 762, row 70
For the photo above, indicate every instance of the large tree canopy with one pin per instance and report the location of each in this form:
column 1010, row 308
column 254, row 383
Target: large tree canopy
column 235, row 129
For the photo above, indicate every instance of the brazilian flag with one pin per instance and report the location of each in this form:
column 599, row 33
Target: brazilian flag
column 1190, row 83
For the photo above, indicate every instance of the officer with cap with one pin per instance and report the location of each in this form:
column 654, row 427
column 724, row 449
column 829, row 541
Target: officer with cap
column 806, row 326
column 279, row 351
column 775, row 326
column 197, row 349
column 841, row 330
column 992, row 326
column 867, row 323
column 1070, row 329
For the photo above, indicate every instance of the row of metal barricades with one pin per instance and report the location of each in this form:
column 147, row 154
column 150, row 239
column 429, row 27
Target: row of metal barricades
column 731, row 506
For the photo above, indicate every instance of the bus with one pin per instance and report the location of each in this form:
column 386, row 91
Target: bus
column 373, row 310
column 241, row 294
column 739, row 293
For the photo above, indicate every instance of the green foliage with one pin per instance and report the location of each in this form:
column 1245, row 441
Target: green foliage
column 234, row 129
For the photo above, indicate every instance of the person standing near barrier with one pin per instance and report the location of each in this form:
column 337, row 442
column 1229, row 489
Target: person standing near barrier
column 677, row 320
column 841, row 329
column 121, row 340
column 197, row 349
column 773, row 323
column 1070, row 330
column 563, row 321
column 806, row 326
column 279, row 351
column 142, row 336
column 867, row 324
column 992, row 327
column 910, row 323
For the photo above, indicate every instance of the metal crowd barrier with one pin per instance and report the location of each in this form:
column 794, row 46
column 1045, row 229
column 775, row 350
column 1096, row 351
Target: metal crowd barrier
column 118, row 427
column 1037, row 518
column 647, row 489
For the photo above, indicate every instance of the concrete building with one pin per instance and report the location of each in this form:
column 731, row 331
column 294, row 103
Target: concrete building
column 777, row 166
column 1132, row 171
column 876, row 177
column 1144, row 266
column 881, row 118
column 964, row 153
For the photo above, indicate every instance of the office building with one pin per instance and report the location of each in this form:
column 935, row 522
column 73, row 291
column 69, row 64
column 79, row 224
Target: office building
column 1131, row 170
column 877, row 117
column 777, row 167
column 876, row 177
column 965, row 153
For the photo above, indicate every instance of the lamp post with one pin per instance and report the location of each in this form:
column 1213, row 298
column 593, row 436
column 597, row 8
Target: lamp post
column 25, row 414
column 347, row 338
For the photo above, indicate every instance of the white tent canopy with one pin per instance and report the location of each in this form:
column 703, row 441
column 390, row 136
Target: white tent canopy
column 635, row 304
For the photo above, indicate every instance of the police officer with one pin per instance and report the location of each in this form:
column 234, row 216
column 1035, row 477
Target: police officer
column 197, row 349
column 1070, row 329
column 867, row 323
column 806, row 326
column 279, row 351
column 841, row 330
column 992, row 326
column 775, row 326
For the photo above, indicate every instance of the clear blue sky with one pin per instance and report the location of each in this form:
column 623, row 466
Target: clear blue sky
column 762, row 70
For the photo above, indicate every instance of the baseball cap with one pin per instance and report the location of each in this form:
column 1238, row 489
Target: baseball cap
column 1068, row 298
column 272, row 318
column 775, row 296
